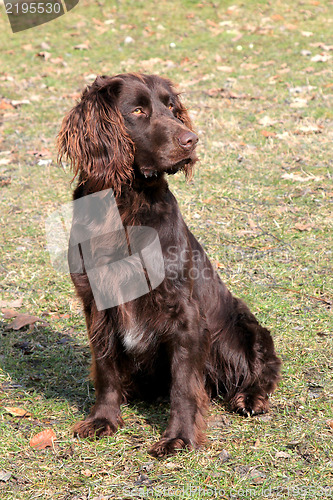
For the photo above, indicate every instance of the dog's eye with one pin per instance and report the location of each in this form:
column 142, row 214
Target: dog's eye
column 138, row 111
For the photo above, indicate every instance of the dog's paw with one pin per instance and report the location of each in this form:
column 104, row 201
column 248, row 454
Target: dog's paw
column 250, row 405
column 167, row 446
column 94, row 428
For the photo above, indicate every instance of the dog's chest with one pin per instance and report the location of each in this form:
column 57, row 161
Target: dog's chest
column 137, row 337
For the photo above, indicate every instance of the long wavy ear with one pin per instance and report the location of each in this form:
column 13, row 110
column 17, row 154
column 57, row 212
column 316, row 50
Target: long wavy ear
column 93, row 137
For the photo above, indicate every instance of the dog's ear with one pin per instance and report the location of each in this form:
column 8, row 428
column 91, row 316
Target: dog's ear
column 93, row 137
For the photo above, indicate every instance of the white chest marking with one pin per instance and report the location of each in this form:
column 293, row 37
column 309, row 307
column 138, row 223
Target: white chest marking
column 132, row 338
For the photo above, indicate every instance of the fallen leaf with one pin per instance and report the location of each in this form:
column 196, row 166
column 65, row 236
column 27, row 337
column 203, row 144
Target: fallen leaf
column 268, row 133
column 45, row 46
column 225, row 69
column 257, row 477
column 303, row 227
column 19, row 103
column 282, row 454
column 290, row 27
column 9, row 313
column 17, row 412
column 299, row 103
column 11, row 303
column 42, row 152
column 22, row 320
column 82, row 46
column 43, row 439
column 249, row 66
column 306, row 53
column 57, row 60
column 252, row 224
column 44, row 55
column 322, row 45
column 172, row 465
column 277, row 17
column 330, row 423
column 300, row 178
column 44, row 163
column 308, row 129
column 229, row 94
column 224, row 456
column 28, row 47
column 5, row 181
column 5, row 476
column 86, row 472
column 321, row 58
column 4, row 104
column 266, row 121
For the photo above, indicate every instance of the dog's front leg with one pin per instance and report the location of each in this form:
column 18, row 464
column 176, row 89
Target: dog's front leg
column 188, row 401
column 105, row 416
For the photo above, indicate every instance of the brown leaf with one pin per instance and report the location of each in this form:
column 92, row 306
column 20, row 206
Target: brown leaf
column 44, row 55
column 17, row 412
column 39, row 154
column 266, row 121
column 282, row 454
column 11, row 303
column 249, row 66
column 43, row 439
column 5, row 181
column 290, row 27
column 9, row 313
column 4, row 104
column 56, row 60
column 252, row 224
column 22, row 320
column 86, row 472
column 308, row 129
column 303, row 227
column 82, row 46
column 330, row 423
column 268, row 133
column 27, row 47
column 277, row 17
column 229, row 94
column 225, row 69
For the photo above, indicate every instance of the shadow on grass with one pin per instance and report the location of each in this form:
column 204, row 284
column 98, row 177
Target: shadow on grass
column 56, row 365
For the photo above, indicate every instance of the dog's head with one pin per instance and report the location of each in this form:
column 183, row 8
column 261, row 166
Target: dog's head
column 128, row 126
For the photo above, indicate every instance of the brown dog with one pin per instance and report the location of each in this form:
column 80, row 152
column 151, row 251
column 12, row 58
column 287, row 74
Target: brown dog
column 188, row 337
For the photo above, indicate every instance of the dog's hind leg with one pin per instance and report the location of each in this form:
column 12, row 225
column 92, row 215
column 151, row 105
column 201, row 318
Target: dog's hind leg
column 245, row 368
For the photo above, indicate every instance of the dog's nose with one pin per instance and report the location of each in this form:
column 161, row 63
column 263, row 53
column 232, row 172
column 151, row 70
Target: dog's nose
column 188, row 140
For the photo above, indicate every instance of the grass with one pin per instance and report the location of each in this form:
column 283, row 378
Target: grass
column 260, row 203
